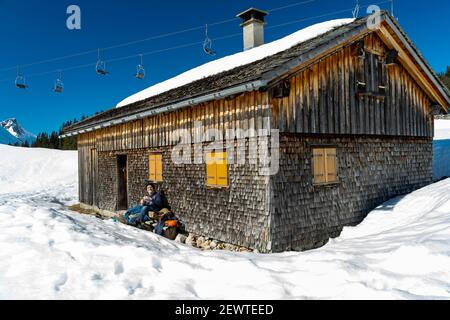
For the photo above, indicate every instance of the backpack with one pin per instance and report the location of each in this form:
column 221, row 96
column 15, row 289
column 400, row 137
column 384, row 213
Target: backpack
column 165, row 202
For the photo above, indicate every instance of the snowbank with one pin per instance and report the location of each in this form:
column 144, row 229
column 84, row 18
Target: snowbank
column 441, row 149
column 441, row 129
column 25, row 169
column 401, row 251
column 236, row 60
column 441, row 159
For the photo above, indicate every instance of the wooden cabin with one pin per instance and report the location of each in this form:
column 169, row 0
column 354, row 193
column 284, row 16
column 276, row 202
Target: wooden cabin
column 352, row 109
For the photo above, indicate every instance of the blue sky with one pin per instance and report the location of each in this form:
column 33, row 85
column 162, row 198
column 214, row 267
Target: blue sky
column 35, row 30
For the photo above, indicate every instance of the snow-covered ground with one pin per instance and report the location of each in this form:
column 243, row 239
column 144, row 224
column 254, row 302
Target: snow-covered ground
column 441, row 149
column 441, row 129
column 402, row 250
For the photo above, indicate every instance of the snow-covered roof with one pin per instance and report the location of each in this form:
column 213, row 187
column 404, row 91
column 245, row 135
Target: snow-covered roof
column 239, row 59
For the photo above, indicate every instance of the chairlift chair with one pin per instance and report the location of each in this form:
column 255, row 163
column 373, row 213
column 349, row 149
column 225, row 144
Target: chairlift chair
column 20, row 82
column 58, row 87
column 100, row 67
column 140, row 70
column 207, row 44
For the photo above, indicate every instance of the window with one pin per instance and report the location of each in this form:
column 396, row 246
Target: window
column 216, row 169
column 155, row 167
column 324, row 165
column 371, row 73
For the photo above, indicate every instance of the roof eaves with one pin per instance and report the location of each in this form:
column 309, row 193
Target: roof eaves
column 419, row 58
column 167, row 107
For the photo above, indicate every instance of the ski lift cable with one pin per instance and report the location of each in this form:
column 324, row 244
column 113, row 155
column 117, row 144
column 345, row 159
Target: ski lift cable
column 120, row 45
column 188, row 44
column 323, row 15
column 291, row 5
column 356, row 10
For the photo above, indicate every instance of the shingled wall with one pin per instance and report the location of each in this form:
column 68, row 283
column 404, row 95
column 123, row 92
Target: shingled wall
column 371, row 171
column 289, row 212
column 237, row 214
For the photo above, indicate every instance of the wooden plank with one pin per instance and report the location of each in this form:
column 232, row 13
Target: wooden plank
column 335, row 93
column 322, row 97
column 306, row 107
column 316, row 97
column 289, row 102
column 377, row 104
column 352, row 96
column 246, row 111
column 237, row 101
column 329, row 108
column 251, row 114
column 319, row 165
column 298, row 106
column 259, row 111
column 314, row 88
column 346, row 55
column 341, row 97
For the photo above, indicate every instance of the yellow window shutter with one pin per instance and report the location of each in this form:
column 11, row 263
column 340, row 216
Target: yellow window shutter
column 211, row 174
column 319, row 165
column 331, row 164
column 158, row 168
column 151, row 167
column 222, row 169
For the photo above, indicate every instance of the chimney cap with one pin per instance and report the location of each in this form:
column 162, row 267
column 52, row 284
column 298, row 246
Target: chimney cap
column 251, row 14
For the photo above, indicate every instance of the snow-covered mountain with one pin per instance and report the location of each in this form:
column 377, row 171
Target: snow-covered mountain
column 11, row 132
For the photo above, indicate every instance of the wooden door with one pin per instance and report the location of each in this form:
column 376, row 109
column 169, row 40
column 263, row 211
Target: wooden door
column 94, row 177
column 122, row 182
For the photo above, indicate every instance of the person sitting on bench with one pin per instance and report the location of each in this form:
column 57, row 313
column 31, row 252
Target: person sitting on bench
column 153, row 202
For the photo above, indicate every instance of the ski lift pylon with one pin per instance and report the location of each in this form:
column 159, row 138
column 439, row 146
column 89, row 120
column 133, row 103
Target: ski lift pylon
column 207, row 44
column 20, row 80
column 58, row 87
column 140, row 70
column 100, row 67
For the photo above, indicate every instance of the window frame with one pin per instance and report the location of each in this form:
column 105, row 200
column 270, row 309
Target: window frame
column 374, row 63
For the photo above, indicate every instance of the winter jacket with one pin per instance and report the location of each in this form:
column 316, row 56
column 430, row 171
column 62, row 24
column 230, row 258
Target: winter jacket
column 155, row 202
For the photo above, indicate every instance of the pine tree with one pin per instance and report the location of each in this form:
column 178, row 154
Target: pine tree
column 52, row 141
column 445, row 77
